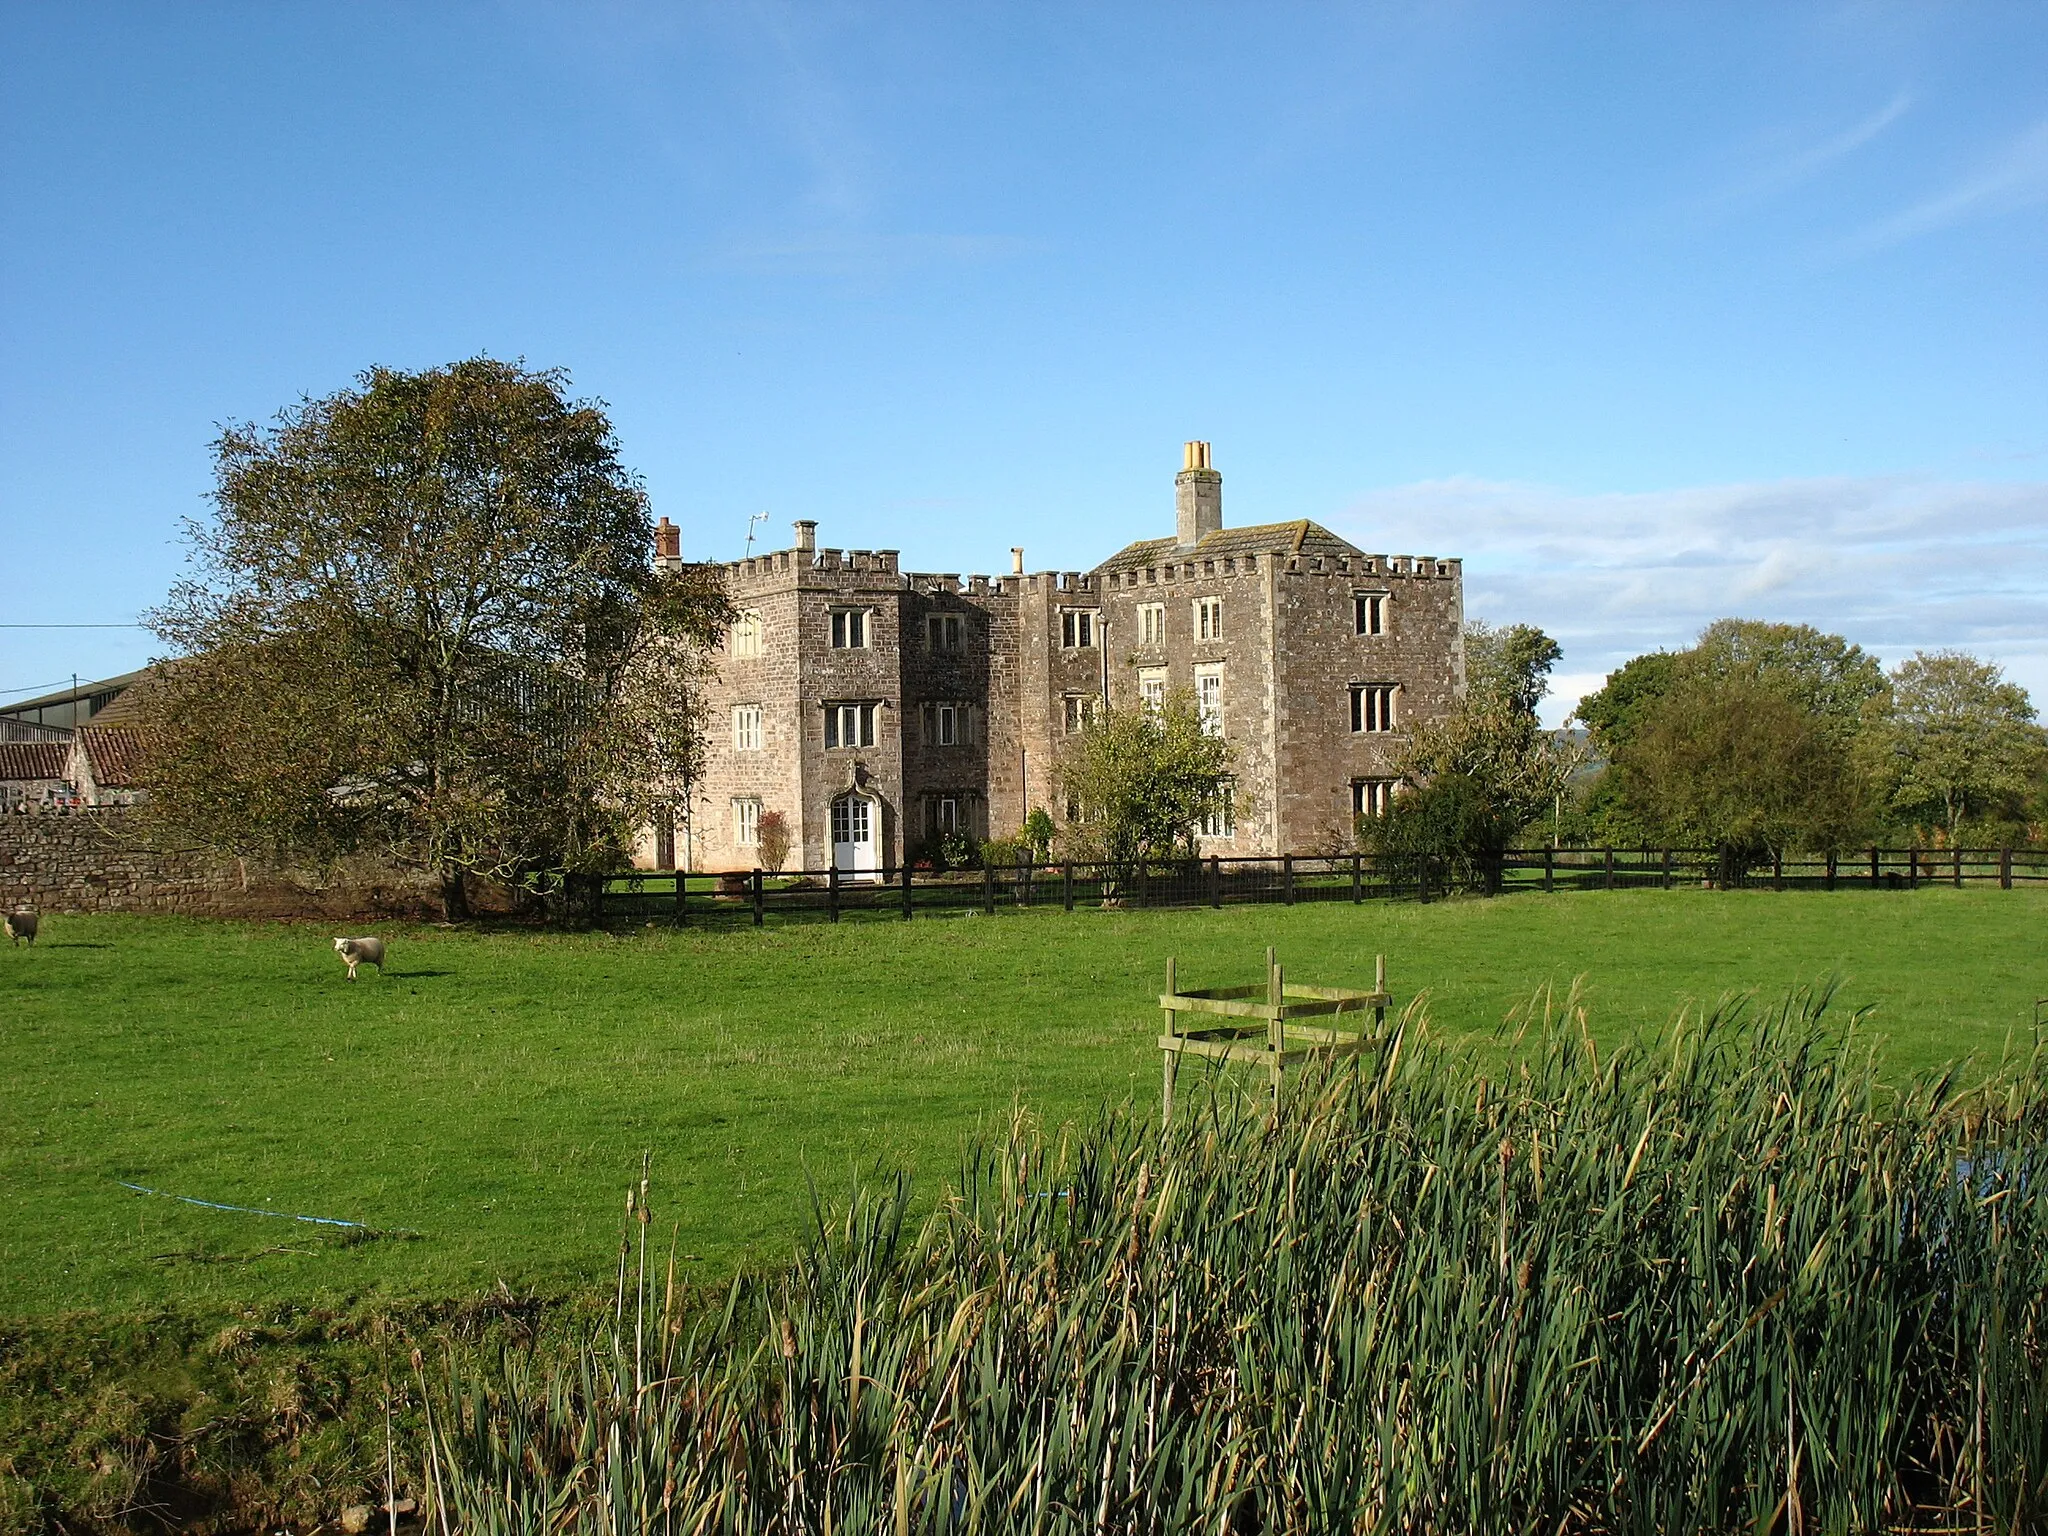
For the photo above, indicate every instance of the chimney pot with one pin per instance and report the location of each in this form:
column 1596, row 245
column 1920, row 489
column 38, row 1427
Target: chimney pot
column 1016, row 562
column 806, row 536
column 668, row 545
column 1198, row 497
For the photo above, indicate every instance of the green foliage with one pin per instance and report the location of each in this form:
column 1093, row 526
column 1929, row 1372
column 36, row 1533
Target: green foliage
column 1615, row 713
column 1142, row 780
column 1004, row 852
column 1734, row 764
column 1678, row 1289
column 959, row 850
column 1745, row 742
column 1822, row 674
column 1508, row 666
column 1039, row 833
column 1958, row 741
column 423, row 623
column 1473, row 779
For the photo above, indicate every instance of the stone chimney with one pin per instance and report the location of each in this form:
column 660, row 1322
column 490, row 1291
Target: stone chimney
column 1197, row 497
column 806, row 536
column 668, row 546
column 1016, row 562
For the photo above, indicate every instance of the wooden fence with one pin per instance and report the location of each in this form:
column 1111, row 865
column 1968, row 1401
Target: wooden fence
column 754, row 896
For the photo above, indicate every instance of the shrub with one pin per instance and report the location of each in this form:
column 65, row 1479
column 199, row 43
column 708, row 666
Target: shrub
column 774, row 832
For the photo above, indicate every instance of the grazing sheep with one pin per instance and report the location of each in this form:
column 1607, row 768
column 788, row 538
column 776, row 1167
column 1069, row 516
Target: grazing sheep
column 21, row 924
column 355, row 952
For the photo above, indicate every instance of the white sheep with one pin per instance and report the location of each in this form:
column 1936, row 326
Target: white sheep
column 21, row 924
column 355, row 952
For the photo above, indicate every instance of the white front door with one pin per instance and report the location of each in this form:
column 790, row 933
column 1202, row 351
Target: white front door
column 854, row 845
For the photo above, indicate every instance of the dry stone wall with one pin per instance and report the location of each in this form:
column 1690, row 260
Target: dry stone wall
column 99, row 861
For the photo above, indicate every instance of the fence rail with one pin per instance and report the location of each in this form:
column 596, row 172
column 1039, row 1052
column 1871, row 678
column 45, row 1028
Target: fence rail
column 753, row 896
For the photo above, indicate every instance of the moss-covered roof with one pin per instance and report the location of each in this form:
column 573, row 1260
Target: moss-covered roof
column 1301, row 537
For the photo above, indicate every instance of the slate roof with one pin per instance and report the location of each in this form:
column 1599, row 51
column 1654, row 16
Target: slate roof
column 1300, row 537
column 27, row 762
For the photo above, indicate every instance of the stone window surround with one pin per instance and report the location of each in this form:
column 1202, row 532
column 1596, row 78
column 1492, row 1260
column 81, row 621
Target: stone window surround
column 859, row 714
column 852, row 625
column 747, row 635
column 747, row 733
column 1371, row 607
column 1375, row 708
column 746, row 821
column 1372, row 797
column 1209, row 700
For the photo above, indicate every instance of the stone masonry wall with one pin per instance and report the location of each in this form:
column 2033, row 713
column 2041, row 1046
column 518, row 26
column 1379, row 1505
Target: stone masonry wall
column 97, row 861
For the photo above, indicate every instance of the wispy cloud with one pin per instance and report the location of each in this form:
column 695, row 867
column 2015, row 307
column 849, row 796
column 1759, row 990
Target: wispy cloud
column 2016, row 177
column 1895, row 563
column 1786, row 169
column 857, row 253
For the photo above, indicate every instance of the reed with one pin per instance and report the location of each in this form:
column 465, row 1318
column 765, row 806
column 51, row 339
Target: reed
column 1725, row 1281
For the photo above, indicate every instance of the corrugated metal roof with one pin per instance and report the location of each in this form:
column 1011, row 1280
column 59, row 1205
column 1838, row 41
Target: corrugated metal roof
column 25, row 762
column 1300, row 537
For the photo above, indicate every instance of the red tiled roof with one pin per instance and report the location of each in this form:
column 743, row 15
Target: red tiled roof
column 25, row 762
column 115, row 752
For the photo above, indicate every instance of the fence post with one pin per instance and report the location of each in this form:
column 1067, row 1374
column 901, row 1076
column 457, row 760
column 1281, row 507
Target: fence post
column 1959, row 868
column 757, row 895
column 1607, row 882
column 1287, row 879
column 1141, row 890
column 1024, row 870
column 1067, row 885
column 682, row 896
column 1549, row 870
column 1874, row 876
column 1422, row 877
column 906, row 888
column 1831, row 869
column 1913, row 868
column 832, row 891
column 1215, row 881
column 2005, row 869
column 1357, row 878
column 1667, row 869
column 988, row 889
column 1777, row 869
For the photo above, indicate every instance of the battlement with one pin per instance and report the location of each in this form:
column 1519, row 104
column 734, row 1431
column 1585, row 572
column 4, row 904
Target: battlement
column 1363, row 567
column 948, row 583
column 847, row 567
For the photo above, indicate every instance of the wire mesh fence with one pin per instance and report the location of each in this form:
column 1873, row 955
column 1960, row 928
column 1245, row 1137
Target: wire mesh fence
column 756, row 896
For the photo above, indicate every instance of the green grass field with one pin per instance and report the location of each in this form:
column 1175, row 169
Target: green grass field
column 493, row 1093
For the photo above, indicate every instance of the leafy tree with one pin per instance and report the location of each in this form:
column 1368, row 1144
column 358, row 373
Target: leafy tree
column 1738, row 764
column 423, row 622
column 1473, row 779
column 1821, row 673
column 1141, row 781
column 1957, row 741
column 1613, row 714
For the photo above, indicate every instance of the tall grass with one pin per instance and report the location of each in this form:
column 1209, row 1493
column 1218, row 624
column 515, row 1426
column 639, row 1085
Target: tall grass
column 1722, row 1282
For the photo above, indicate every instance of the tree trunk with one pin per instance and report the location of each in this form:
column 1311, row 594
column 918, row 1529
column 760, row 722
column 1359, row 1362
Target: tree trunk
column 454, row 896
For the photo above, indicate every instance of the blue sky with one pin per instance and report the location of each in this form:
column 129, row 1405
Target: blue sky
column 1652, row 313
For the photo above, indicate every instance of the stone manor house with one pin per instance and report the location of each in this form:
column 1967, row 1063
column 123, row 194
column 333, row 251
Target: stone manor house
column 878, row 709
